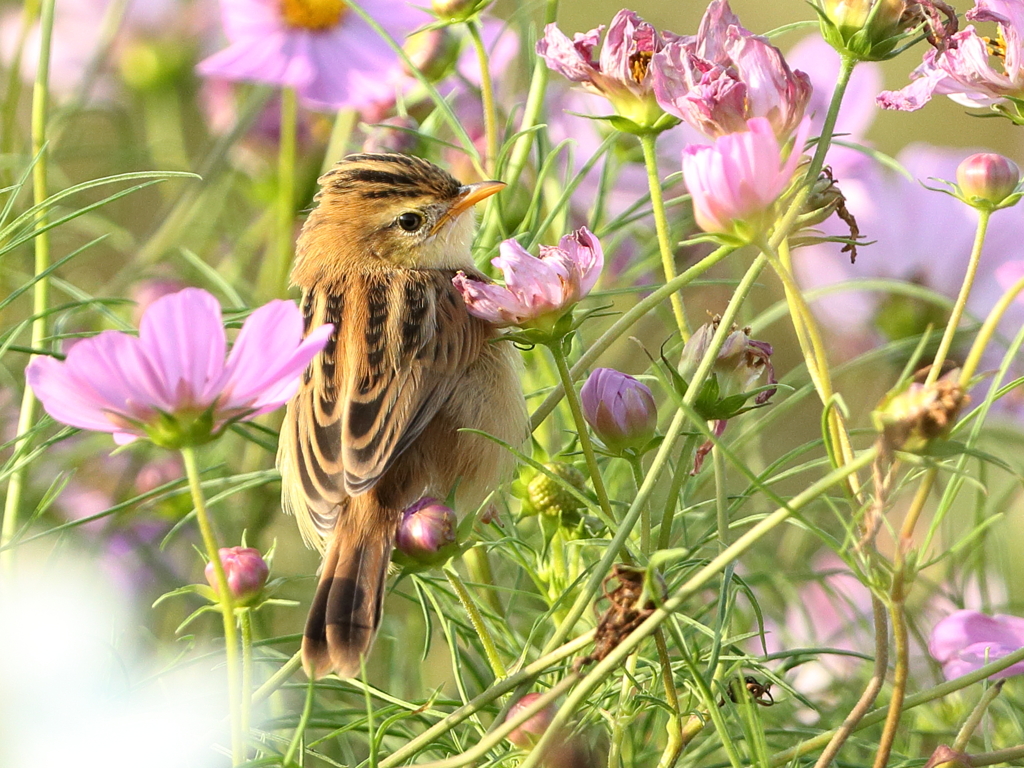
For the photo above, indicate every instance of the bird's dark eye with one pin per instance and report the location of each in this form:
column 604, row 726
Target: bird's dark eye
column 410, row 221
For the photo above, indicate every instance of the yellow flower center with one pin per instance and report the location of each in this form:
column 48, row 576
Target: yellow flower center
column 639, row 63
column 317, row 15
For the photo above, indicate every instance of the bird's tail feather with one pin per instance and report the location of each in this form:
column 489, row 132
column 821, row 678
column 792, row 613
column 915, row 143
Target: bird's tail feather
column 346, row 609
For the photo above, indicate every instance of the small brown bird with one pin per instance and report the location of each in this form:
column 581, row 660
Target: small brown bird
column 375, row 424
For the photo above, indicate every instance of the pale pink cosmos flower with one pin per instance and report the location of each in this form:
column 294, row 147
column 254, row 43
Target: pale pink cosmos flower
column 962, row 69
column 966, row 641
column 535, row 288
column 324, row 50
column 172, row 383
column 724, row 75
column 622, row 72
column 735, row 181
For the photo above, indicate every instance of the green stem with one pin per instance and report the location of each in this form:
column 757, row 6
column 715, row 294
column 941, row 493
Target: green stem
column 486, row 95
column 846, row 66
column 645, row 513
column 573, row 398
column 618, row 724
column 12, row 94
column 41, row 288
column 300, row 728
column 676, row 742
column 898, row 614
column 721, row 500
column 245, row 709
column 682, row 474
column 607, row 665
column 623, row 324
column 963, row 738
column 987, row 331
column 281, row 258
column 227, row 607
column 668, row 257
column 477, row 620
column 278, row 679
column 961, row 299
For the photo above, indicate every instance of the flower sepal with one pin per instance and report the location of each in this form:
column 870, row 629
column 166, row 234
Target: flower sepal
column 642, row 125
column 867, row 30
column 184, row 429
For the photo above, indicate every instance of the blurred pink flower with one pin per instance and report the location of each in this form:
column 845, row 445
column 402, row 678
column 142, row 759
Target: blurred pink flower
column 968, row 640
column 1008, row 274
column 621, row 74
column 735, row 181
column 146, row 292
column 527, row 734
column 725, row 75
column 325, row 51
column 536, row 289
column 961, row 70
column 245, row 569
column 172, row 383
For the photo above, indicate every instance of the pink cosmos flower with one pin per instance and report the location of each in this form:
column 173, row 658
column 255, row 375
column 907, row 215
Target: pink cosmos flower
column 735, row 181
column 536, row 289
column 1008, row 273
column 725, row 75
column 621, row 74
column 172, row 383
column 968, row 640
column 962, row 70
column 327, row 53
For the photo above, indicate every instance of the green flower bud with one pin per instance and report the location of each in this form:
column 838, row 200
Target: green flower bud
column 549, row 497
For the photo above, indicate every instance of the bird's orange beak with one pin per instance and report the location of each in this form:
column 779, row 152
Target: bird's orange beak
column 469, row 195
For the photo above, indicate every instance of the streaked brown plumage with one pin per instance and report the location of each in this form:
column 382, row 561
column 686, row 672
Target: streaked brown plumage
column 375, row 424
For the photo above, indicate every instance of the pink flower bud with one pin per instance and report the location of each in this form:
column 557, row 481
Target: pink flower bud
column 246, row 572
column 987, row 176
column 527, row 734
column 433, row 52
column 427, row 531
column 620, row 409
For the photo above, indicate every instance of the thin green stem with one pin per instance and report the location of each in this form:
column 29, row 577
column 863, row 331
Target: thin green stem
column 987, row 331
column 721, row 499
column 477, row 620
column 618, row 724
column 898, row 614
column 668, row 257
column 278, row 679
column 12, row 93
column 963, row 738
column 682, row 474
column 587, row 446
column 41, row 288
column 674, row 728
column 245, row 704
column 961, row 299
column 486, row 95
column 281, row 258
column 645, row 513
column 227, row 606
column 307, row 711
column 846, row 66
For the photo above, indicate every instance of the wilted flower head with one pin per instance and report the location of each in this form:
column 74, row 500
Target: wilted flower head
column 427, row 532
column 724, row 75
column 321, row 48
column 246, row 572
column 172, row 383
column 968, row 640
column 620, row 409
column 527, row 734
column 622, row 74
column 912, row 417
column 961, row 67
column 987, row 180
column 537, row 291
column 735, row 182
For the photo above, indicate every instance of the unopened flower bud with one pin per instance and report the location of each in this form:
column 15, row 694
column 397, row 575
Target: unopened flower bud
column 457, row 10
column 549, row 497
column 427, row 533
column 433, row 52
column 740, row 363
column 246, row 572
column 987, row 179
column 527, row 734
column 947, row 757
column 619, row 408
column 395, row 134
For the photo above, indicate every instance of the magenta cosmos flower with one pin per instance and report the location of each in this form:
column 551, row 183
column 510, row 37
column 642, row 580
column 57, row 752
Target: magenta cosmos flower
column 966, row 641
column 724, row 75
column 735, row 182
column 621, row 74
column 172, row 383
column 537, row 291
column 321, row 48
column 962, row 70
